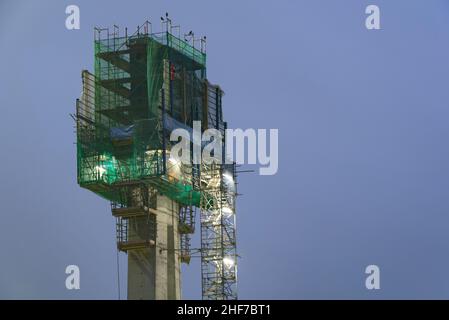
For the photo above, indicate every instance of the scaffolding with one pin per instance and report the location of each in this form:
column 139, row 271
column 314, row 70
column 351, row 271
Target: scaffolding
column 218, row 242
column 144, row 86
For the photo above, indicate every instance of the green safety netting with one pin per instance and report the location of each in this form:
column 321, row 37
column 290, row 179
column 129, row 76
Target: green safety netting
column 138, row 81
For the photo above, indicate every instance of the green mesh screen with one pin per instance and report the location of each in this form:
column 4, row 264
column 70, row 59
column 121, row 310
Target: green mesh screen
column 120, row 128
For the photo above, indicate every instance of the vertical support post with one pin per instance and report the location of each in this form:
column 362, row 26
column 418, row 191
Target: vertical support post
column 154, row 273
column 217, row 106
column 170, row 81
column 184, row 95
column 164, row 152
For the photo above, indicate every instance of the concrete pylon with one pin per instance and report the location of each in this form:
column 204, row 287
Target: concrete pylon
column 154, row 272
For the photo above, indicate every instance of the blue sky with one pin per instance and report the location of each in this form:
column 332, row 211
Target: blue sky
column 363, row 158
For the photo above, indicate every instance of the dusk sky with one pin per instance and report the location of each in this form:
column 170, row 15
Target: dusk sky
column 363, row 120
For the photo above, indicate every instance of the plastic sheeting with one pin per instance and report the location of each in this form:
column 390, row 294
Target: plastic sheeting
column 122, row 133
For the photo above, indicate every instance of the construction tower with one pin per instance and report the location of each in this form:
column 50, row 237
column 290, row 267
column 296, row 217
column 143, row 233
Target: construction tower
column 145, row 85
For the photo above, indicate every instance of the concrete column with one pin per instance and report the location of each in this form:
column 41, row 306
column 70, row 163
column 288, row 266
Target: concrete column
column 154, row 273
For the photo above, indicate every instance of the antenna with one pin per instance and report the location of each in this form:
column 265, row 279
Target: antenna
column 147, row 27
column 189, row 36
column 167, row 21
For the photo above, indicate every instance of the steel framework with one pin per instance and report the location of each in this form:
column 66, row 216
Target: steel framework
column 218, row 242
column 145, row 85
